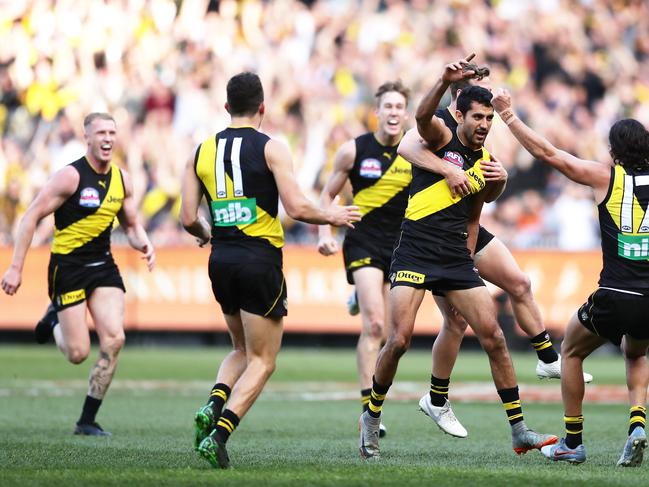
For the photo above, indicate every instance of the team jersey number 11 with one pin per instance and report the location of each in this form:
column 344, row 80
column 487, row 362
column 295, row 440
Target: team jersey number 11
column 231, row 207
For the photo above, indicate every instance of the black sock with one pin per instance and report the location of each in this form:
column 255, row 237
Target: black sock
column 89, row 411
column 544, row 349
column 218, row 397
column 638, row 417
column 438, row 390
column 365, row 398
column 226, row 424
column 377, row 396
column 512, row 404
column 574, row 428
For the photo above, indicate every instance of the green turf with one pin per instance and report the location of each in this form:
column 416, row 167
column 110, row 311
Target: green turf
column 283, row 440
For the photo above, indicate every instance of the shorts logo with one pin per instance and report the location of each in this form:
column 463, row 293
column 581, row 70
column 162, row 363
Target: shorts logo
column 371, row 168
column 89, row 198
column 285, row 303
column 72, row 297
column 234, row 212
column 633, row 247
column 409, row 276
column 360, row 262
column 454, row 158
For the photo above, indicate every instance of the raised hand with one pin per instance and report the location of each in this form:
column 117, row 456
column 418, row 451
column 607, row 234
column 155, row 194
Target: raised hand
column 456, row 71
column 501, row 100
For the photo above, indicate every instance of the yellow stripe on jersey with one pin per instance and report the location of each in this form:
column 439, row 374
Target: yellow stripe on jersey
column 614, row 205
column 438, row 196
column 266, row 226
column 83, row 231
column 395, row 179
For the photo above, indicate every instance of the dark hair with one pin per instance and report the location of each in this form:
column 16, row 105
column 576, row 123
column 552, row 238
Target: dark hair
column 472, row 94
column 245, row 94
column 388, row 86
column 91, row 117
column 461, row 85
column 629, row 143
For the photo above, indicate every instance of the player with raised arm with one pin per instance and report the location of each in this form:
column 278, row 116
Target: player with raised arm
column 617, row 311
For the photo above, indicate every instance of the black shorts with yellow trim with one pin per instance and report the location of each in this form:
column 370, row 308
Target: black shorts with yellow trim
column 433, row 273
column 256, row 287
column 613, row 313
column 70, row 284
column 484, row 237
column 356, row 257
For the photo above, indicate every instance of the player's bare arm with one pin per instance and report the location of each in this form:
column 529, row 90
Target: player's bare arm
column 431, row 128
column 128, row 218
column 343, row 163
column 190, row 202
column 297, row 205
column 495, row 175
column 59, row 188
column 590, row 173
column 415, row 150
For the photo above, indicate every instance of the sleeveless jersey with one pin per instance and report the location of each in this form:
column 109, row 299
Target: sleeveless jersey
column 241, row 194
column 624, row 225
column 83, row 223
column 433, row 216
column 380, row 179
column 448, row 118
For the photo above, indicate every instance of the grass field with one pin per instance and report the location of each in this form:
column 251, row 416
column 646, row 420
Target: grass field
column 302, row 431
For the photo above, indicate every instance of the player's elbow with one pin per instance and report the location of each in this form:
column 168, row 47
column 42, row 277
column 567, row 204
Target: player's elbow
column 296, row 212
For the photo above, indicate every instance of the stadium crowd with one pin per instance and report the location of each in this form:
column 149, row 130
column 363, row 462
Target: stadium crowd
column 160, row 67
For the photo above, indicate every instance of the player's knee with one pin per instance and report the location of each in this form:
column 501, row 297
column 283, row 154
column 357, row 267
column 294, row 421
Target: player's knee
column 493, row 340
column 265, row 365
column 115, row 342
column 455, row 324
column 520, row 286
column 77, row 355
column 374, row 327
column 398, row 345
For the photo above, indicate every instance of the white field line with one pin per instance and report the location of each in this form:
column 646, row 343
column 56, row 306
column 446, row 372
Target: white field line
column 548, row 392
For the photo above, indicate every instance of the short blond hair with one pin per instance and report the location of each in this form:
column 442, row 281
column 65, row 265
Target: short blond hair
column 91, row 117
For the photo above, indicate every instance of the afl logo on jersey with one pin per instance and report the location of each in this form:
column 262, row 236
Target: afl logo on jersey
column 370, row 168
column 89, row 198
column 454, row 158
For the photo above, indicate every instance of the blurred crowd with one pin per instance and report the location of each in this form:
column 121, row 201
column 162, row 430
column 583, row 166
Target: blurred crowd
column 161, row 66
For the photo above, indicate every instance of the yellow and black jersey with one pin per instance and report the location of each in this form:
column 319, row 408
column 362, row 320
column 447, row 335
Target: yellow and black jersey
column 241, row 194
column 433, row 215
column 448, row 118
column 83, row 223
column 484, row 235
column 380, row 180
column 624, row 225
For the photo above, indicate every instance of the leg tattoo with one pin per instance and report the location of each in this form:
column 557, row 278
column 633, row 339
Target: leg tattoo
column 101, row 374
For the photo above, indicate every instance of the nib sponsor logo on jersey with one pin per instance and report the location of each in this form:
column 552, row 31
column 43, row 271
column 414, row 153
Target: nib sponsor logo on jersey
column 229, row 213
column 370, row 168
column 633, row 247
column 89, row 198
column 454, row 158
